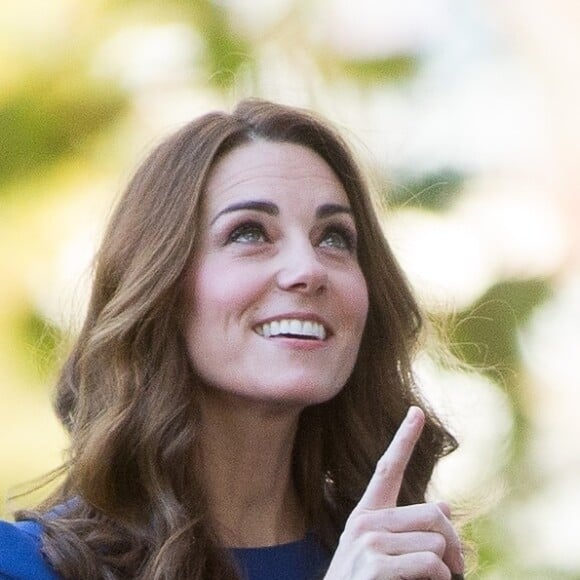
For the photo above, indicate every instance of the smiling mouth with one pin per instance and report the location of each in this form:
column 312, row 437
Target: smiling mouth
column 292, row 328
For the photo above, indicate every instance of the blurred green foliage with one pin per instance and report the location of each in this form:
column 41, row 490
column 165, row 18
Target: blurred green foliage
column 486, row 335
column 372, row 71
column 52, row 114
column 435, row 191
column 42, row 341
column 225, row 50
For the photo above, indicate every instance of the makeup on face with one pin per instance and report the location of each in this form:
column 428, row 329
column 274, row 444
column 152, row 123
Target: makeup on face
column 277, row 301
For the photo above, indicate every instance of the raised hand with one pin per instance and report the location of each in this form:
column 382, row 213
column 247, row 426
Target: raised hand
column 381, row 541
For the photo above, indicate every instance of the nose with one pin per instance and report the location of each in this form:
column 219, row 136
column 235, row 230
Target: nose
column 302, row 271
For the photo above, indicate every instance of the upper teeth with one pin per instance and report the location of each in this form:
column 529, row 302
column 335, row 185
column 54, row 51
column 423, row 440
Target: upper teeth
column 292, row 326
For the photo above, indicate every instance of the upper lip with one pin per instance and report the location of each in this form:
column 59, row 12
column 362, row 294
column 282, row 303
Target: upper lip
column 299, row 316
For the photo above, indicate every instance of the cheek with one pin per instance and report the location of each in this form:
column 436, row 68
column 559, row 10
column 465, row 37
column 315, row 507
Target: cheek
column 356, row 300
column 220, row 290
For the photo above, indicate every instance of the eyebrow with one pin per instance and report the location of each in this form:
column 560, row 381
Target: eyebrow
column 263, row 206
column 330, row 209
column 324, row 211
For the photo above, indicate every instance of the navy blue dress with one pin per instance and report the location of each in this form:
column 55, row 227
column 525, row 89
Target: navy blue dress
column 21, row 557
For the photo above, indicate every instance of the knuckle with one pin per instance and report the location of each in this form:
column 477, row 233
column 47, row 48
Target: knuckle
column 397, row 570
column 433, row 567
column 434, row 510
column 378, row 566
column 390, row 516
column 431, row 560
column 371, row 541
column 374, row 566
column 382, row 468
column 434, row 514
column 358, row 526
column 444, row 508
column 439, row 545
column 386, row 465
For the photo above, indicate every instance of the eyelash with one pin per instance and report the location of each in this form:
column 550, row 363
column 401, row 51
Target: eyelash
column 245, row 228
column 252, row 226
column 343, row 231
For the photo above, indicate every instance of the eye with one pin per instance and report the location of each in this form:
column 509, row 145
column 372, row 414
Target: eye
column 338, row 237
column 248, row 233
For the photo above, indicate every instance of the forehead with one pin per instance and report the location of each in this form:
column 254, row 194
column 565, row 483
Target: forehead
column 268, row 170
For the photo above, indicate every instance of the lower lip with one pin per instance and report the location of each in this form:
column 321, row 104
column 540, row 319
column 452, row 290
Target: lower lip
column 298, row 344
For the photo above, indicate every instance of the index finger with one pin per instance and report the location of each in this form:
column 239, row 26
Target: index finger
column 385, row 484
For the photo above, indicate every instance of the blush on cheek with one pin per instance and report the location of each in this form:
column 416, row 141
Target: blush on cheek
column 232, row 288
column 355, row 303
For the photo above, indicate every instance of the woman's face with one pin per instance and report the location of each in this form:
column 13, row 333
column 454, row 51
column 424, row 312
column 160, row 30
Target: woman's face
column 276, row 300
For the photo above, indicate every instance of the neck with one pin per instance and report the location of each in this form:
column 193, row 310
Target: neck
column 247, row 458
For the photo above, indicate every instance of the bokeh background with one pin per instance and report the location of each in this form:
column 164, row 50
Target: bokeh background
column 467, row 114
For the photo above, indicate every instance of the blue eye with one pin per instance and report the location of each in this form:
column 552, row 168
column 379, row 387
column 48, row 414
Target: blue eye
column 248, row 233
column 337, row 237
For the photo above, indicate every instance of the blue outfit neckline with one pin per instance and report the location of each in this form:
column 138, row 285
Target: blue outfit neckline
column 303, row 559
column 21, row 557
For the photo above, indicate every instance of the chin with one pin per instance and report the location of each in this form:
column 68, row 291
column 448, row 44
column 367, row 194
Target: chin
column 302, row 394
column 296, row 392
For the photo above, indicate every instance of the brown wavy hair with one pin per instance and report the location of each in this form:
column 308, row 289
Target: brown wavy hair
column 131, row 504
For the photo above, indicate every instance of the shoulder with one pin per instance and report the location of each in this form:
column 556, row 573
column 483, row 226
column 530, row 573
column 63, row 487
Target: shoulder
column 20, row 552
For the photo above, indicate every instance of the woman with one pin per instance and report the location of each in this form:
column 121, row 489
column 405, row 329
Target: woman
column 244, row 364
